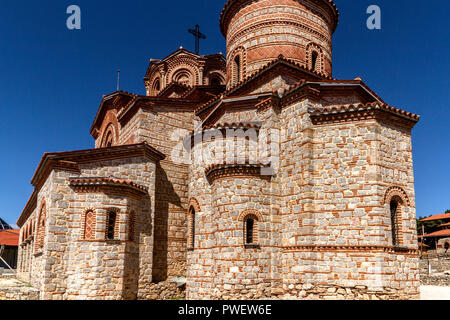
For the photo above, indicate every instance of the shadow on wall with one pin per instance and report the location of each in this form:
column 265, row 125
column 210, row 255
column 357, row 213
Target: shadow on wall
column 164, row 195
column 135, row 269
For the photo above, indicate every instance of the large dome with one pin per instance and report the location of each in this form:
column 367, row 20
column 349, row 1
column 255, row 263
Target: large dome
column 258, row 31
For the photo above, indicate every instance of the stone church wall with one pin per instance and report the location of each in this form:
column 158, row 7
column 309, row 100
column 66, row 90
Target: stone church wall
column 164, row 128
column 73, row 268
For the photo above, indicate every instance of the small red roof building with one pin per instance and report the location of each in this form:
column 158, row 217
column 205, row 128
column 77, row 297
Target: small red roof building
column 9, row 238
column 437, row 217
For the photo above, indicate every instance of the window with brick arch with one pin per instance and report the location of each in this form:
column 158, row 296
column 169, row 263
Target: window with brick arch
column 111, row 222
column 395, row 210
column 191, row 231
column 89, row 225
column 109, row 140
column 251, row 229
column 314, row 57
column 40, row 231
column 237, row 69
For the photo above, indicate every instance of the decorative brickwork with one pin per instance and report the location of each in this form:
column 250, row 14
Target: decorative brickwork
column 257, row 176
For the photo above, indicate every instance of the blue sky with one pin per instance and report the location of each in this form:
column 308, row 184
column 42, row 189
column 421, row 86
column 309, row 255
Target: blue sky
column 52, row 79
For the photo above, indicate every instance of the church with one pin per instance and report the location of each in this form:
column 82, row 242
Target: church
column 252, row 176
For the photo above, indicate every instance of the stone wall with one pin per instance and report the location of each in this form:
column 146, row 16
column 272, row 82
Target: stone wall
column 72, row 267
column 164, row 128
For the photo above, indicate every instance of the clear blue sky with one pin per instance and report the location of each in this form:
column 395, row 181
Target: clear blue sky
column 52, row 79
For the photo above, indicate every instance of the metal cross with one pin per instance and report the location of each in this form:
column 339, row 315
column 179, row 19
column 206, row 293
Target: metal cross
column 198, row 35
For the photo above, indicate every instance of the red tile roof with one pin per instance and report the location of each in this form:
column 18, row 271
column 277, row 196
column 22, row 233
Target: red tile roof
column 360, row 107
column 445, row 225
column 437, row 217
column 9, row 237
column 437, row 234
column 110, row 181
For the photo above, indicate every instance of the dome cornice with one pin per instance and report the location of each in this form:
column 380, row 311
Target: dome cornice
column 231, row 4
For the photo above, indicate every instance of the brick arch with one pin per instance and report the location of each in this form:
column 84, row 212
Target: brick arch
column 310, row 48
column 231, row 72
column 249, row 212
column 396, row 192
column 193, row 203
column 109, row 135
column 41, row 227
column 179, row 64
column 215, row 74
column 109, row 123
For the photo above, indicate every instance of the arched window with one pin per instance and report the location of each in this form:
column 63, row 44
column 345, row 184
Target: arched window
column 111, row 221
column 250, row 230
column 215, row 82
column 395, row 209
column 40, row 231
column 156, row 86
column 89, row 225
column 396, row 200
column 109, row 140
column 314, row 58
column 191, row 232
column 237, row 69
column 250, row 220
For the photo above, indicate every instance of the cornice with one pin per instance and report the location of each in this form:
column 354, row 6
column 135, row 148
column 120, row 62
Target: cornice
column 370, row 111
column 89, row 183
column 220, row 171
column 344, row 248
column 230, row 5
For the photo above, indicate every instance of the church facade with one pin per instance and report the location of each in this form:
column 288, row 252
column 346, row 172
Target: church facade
column 254, row 176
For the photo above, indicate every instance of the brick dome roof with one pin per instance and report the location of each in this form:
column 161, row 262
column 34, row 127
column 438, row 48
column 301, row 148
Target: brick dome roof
column 229, row 4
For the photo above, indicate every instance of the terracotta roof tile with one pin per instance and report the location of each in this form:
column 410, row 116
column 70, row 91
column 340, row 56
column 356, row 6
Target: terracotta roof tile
column 440, row 233
column 9, row 237
column 280, row 59
column 361, row 107
column 99, row 181
column 437, row 217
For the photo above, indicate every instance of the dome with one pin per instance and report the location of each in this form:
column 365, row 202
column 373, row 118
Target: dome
column 258, row 31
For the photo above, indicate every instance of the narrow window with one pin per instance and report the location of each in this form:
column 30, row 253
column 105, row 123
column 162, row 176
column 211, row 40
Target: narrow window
column 215, row 82
column 314, row 57
column 237, row 68
column 191, row 243
column 111, row 224
column 250, row 231
column 108, row 140
column 40, row 231
column 89, row 227
column 394, row 222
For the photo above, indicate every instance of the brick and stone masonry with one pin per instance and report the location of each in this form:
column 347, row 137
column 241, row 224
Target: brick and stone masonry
column 253, row 176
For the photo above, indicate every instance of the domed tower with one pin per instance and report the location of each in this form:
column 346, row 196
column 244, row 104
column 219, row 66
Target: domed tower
column 258, row 31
